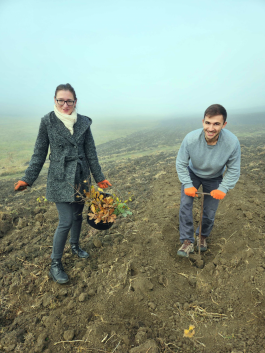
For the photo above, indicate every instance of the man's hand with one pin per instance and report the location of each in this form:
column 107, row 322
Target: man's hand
column 20, row 185
column 104, row 184
column 191, row 191
column 218, row 194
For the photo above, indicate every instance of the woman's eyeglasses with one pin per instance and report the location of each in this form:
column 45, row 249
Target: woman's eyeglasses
column 61, row 102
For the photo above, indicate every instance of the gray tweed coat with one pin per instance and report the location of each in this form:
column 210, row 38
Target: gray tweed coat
column 72, row 157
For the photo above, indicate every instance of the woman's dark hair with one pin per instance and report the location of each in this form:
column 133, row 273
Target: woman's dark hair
column 216, row 109
column 66, row 87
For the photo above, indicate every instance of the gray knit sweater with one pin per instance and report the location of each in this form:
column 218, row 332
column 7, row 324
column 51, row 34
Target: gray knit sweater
column 209, row 161
column 72, row 157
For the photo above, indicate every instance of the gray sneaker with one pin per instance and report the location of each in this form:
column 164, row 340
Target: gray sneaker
column 186, row 248
column 203, row 244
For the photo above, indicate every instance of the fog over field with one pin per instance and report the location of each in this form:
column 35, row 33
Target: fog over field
column 145, row 59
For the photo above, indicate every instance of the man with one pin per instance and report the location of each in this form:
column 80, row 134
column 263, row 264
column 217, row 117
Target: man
column 202, row 159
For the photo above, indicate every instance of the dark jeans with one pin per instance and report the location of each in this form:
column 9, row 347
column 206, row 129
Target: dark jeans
column 186, row 229
column 70, row 218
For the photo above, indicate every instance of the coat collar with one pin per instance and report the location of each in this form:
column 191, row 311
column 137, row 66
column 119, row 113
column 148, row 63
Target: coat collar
column 81, row 125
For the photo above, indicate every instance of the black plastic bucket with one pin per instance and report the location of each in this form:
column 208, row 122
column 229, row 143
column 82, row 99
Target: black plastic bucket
column 100, row 225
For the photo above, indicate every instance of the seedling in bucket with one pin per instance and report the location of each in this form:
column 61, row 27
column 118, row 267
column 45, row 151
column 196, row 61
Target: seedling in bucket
column 104, row 208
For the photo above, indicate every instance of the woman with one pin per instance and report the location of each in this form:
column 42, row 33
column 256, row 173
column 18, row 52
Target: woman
column 73, row 155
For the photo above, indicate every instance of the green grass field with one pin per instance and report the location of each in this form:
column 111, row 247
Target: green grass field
column 18, row 136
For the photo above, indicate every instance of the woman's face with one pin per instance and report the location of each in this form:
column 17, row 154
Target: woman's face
column 65, row 96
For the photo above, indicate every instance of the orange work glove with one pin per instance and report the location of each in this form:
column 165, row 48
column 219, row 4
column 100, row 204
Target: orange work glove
column 218, row 194
column 104, row 184
column 20, row 185
column 191, row 191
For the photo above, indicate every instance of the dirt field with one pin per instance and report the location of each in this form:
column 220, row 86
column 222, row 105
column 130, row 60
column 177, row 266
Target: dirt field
column 134, row 294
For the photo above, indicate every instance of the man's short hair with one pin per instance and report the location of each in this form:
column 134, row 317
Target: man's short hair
column 215, row 109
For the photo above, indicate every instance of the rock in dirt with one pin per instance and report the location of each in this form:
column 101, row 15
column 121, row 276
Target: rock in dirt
column 141, row 335
column 149, row 346
column 250, row 252
column 91, row 292
column 142, row 284
column 62, row 293
column 125, row 339
column 162, row 280
column 71, row 305
column 68, row 335
column 46, row 300
column 192, row 281
column 82, row 297
column 37, row 226
column 186, row 306
column 108, row 238
column 97, row 243
column 22, row 223
column 152, row 305
column 41, row 342
column 47, row 321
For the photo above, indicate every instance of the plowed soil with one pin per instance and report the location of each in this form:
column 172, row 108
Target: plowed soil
column 134, row 294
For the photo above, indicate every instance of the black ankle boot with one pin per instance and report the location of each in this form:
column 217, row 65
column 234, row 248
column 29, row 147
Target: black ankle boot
column 57, row 272
column 76, row 250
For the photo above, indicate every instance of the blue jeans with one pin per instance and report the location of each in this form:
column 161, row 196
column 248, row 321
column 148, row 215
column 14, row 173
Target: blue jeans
column 186, row 229
column 70, row 218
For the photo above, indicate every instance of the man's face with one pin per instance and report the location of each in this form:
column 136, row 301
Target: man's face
column 212, row 127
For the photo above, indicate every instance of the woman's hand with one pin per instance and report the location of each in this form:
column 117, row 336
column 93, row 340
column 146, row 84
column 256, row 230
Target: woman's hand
column 20, row 185
column 104, row 184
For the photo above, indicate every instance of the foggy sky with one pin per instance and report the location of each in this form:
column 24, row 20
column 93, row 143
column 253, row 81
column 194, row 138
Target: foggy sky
column 128, row 59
